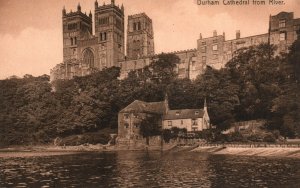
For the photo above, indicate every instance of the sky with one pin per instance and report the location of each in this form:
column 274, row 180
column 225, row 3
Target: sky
column 31, row 30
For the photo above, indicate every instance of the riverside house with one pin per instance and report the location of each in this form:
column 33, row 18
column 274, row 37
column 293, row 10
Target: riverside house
column 130, row 118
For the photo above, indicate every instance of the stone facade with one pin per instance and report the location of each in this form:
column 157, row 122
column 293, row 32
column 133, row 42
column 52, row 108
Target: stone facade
column 130, row 119
column 216, row 51
column 140, row 36
column 85, row 52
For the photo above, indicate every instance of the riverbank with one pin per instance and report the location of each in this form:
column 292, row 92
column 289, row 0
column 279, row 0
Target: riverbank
column 292, row 152
column 247, row 150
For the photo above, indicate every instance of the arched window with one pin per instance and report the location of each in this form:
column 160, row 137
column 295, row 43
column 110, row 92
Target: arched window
column 71, row 41
column 88, row 58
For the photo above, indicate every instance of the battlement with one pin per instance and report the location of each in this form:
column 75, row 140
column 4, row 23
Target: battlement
column 179, row 52
column 77, row 13
column 143, row 14
column 104, row 7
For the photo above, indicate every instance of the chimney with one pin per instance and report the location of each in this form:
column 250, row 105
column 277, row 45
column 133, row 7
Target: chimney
column 238, row 34
column 215, row 33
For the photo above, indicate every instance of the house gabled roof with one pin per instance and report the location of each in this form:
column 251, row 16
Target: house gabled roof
column 184, row 114
column 146, row 107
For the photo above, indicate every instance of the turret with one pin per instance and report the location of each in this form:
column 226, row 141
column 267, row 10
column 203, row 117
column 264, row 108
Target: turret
column 64, row 11
column 122, row 8
column 112, row 2
column 96, row 4
column 90, row 15
column 78, row 7
column 205, row 105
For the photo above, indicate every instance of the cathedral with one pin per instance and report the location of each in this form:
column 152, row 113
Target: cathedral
column 87, row 49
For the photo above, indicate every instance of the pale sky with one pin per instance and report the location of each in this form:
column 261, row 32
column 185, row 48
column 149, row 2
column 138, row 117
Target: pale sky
column 31, row 30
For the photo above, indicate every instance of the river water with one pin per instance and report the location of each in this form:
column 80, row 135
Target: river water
column 147, row 169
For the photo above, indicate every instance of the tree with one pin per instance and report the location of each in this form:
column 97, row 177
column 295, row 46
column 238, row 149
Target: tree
column 150, row 126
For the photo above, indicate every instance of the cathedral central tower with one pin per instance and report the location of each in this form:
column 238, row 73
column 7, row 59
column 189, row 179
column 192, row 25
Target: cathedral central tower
column 140, row 42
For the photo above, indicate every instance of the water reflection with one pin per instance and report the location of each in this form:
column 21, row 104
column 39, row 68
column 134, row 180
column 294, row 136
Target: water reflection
column 148, row 169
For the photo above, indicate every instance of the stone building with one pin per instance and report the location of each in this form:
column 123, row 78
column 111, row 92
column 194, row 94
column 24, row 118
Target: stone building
column 215, row 51
column 140, row 37
column 190, row 119
column 130, row 119
column 85, row 52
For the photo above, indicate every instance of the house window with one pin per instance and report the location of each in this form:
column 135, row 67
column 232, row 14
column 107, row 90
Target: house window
column 203, row 49
column 282, row 36
column 215, row 47
column 197, row 113
column 135, row 116
column 170, row 123
column 215, row 56
column 126, row 116
column 281, row 23
column 126, row 125
column 194, row 122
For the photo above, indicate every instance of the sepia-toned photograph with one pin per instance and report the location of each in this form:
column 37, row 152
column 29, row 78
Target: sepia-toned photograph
column 150, row 93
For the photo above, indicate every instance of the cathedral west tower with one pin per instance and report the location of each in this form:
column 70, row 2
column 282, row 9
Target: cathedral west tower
column 109, row 29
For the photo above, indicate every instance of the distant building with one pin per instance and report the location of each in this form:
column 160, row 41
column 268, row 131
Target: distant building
column 85, row 52
column 215, row 51
column 130, row 118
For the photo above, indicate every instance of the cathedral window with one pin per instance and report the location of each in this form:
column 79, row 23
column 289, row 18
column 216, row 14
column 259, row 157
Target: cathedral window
column 281, row 23
column 71, row 41
column 75, row 40
column 134, row 26
column 119, row 23
column 139, row 26
column 103, row 36
column 282, row 36
column 88, row 58
column 72, row 26
column 215, row 47
column 103, row 21
column 203, row 49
